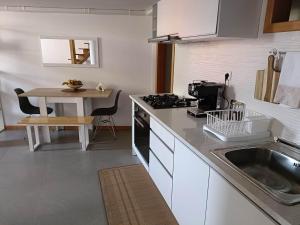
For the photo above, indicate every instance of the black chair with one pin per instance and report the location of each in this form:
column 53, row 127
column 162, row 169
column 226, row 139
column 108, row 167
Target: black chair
column 106, row 112
column 26, row 107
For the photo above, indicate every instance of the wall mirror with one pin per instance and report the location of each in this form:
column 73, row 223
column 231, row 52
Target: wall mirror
column 70, row 51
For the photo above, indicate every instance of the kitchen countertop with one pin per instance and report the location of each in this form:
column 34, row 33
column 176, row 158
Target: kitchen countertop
column 189, row 131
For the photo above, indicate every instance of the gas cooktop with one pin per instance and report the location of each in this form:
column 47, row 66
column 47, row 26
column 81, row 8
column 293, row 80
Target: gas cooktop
column 166, row 101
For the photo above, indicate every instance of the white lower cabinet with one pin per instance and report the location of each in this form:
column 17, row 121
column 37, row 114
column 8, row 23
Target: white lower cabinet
column 163, row 153
column 190, row 183
column 161, row 178
column 196, row 194
column 162, row 133
column 226, row 206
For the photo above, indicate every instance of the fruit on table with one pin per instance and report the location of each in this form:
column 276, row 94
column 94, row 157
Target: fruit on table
column 72, row 82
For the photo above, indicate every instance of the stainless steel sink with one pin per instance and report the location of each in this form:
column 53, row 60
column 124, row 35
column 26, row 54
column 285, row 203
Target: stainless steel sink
column 273, row 168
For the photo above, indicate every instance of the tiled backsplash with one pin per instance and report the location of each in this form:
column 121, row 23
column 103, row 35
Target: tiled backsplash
column 211, row 60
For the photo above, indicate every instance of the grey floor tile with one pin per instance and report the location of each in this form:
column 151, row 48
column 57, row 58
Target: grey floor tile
column 57, row 184
column 17, row 207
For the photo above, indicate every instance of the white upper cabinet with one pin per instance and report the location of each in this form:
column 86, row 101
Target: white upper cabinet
column 198, row 17
column 190, row 183
column 167, row 17
column 226, row 206
column 209, row 18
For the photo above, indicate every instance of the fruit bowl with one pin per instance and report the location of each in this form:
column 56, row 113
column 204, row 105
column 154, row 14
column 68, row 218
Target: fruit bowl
column 73, row 84
column 75, row 87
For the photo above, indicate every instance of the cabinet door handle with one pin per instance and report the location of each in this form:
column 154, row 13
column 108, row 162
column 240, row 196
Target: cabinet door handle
column 161, row 163
column 172, row 151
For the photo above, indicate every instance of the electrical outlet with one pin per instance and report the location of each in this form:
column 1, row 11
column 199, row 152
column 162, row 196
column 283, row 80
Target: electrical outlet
column 227, row 75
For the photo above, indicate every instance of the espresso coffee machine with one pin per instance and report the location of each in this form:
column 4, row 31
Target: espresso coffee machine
column 210, row 96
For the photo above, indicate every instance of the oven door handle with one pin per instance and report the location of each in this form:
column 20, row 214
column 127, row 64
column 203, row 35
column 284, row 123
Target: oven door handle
column 139, row 122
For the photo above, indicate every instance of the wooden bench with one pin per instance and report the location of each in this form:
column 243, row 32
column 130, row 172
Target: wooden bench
column 80, row 121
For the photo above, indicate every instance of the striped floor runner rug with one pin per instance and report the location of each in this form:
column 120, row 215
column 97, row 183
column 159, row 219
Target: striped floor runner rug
column 131, row 198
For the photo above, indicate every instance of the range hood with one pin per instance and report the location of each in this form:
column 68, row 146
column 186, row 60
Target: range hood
column 166, row 39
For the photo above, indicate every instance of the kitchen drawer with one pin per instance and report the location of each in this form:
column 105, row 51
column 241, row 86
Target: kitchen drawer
column 161, row 178
column 162, row 151
column 162, row 133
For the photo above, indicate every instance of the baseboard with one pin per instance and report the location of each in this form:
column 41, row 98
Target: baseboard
column 21, row 127
column 14, row 127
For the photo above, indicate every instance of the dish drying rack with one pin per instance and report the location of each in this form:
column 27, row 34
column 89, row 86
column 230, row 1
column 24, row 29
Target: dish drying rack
column 237, row 124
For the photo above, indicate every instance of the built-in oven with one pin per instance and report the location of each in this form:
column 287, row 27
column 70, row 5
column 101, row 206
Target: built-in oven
column 142, row 132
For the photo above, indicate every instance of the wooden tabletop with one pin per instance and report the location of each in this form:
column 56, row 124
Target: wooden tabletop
column 58, row 92
column 62, row 120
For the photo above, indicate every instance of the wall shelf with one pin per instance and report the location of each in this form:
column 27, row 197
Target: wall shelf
column 282, row 16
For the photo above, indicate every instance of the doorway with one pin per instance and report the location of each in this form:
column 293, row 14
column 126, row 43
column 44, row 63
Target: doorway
column 165, row 68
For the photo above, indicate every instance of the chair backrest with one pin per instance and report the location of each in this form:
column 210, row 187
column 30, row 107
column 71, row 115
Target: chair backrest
column 24, row 103
column 115, row 107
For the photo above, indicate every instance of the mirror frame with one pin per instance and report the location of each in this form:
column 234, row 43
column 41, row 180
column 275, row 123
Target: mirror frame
column 97, row 65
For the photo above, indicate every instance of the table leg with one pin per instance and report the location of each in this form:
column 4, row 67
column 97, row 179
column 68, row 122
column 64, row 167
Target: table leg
column 59, row 111
column 82, row 137
column 87, row 137
column 80, row 112
column 30, row 138
column 37, row 135
column 88, row 108
column 43, row 112
column 80, row 107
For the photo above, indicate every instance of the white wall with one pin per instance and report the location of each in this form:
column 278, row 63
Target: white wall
column 126, row 58
column 211, row 60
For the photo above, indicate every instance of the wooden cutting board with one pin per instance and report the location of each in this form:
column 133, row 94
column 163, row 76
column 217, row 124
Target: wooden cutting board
column 269, row 79
column 263, row 85
column 276, row 76
column 259, row 85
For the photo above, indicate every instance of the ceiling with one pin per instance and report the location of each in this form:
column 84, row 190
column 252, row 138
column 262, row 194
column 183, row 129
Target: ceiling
column 96, row 4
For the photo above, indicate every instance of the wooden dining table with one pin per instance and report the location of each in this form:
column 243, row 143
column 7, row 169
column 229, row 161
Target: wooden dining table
column 60, row 95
